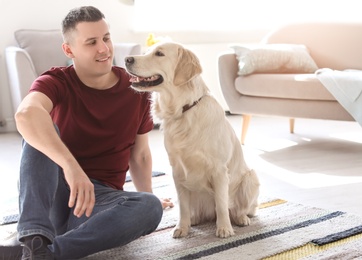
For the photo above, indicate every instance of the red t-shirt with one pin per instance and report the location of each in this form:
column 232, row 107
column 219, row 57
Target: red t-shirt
column 98, row 126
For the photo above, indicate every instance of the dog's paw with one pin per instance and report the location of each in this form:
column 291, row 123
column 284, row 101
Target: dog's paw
column 243, row 220
column 180, row 232
column 224, row 232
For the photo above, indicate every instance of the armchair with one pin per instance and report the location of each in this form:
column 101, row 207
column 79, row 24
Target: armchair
column 39, row 50
column 293, row 94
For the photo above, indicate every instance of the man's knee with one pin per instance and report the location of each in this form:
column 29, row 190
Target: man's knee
column 152, row 208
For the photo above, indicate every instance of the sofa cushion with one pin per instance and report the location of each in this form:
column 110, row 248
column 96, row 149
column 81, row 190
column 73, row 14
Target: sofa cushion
column 286, row 86
column 274, row 58
column 44, row 48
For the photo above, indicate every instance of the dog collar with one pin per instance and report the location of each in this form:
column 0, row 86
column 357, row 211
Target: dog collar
column 187, row 107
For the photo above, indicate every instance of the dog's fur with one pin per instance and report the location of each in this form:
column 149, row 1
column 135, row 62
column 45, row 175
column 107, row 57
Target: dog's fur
column 211, row 177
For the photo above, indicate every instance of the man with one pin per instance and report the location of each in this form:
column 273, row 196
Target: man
column 83, row 129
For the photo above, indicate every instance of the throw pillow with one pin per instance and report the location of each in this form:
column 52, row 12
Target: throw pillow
column 43, row 46
column 274, row 58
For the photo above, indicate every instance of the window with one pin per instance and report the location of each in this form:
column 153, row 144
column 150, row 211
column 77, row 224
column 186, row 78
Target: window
column 237, row 15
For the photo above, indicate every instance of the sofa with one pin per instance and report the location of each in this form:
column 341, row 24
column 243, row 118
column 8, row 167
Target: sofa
column 36, row 51
column 277, row 89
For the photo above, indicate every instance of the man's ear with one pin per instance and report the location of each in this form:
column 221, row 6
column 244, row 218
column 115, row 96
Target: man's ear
column 67, row 50
column 188, row 66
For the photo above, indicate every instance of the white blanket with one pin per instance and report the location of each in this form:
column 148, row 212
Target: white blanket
column 346, row 87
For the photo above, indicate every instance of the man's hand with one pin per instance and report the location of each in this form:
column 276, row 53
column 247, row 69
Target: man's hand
column 166, row 203
column 81, row 192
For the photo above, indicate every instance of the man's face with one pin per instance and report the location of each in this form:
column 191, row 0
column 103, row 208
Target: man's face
column 91, row 48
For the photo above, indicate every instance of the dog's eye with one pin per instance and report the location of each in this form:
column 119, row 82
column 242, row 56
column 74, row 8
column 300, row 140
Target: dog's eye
column 159, row 53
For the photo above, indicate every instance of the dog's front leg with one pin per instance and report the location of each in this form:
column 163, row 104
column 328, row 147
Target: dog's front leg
column 184, row 222
column 223, row 223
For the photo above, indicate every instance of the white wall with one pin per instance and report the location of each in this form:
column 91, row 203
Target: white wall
column 47, row 14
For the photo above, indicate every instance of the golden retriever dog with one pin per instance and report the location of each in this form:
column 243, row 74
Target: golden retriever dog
column 211, row 177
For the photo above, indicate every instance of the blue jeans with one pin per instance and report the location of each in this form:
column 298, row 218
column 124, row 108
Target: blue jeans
column 118, row 217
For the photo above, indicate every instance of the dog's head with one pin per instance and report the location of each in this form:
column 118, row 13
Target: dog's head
column 164, row 64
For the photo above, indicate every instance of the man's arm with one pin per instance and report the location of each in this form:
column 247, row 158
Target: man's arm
column 140, row 167
column 36, row 126
column 140, row 164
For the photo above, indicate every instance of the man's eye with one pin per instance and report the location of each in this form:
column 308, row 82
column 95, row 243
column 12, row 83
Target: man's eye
column 160, row 54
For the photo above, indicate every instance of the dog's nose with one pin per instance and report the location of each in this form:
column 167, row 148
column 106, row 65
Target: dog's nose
column 129, row 60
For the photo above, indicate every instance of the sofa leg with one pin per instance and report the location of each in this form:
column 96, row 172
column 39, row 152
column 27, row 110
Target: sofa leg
column 245, row 126
column 291, row 125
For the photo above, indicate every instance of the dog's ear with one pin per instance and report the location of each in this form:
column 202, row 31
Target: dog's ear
column 188, row 66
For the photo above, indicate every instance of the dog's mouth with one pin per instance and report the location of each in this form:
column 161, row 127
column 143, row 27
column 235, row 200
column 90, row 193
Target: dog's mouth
column 144, row 82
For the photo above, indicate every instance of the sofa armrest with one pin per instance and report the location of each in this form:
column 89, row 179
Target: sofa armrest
column 122, row 50
column 21, row 73
column 228, row 72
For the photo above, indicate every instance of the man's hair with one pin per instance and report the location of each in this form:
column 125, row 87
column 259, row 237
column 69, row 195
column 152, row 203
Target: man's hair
column 77, row 15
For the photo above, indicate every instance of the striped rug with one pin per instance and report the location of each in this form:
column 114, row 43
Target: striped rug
column 281, row 230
